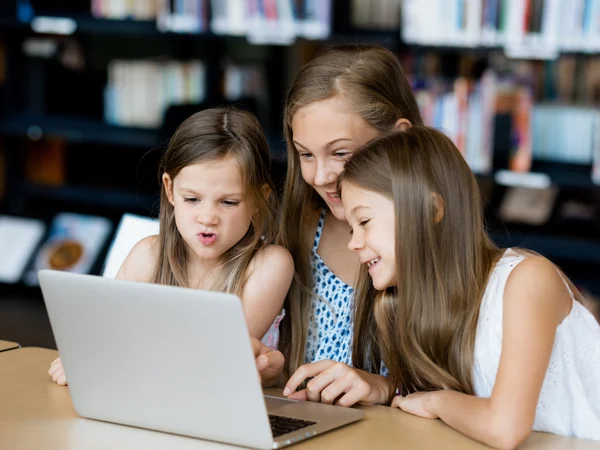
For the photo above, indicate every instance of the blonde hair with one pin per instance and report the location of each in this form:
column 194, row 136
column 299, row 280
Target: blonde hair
column 371, row 81
column 424, row 328
column 209, row 135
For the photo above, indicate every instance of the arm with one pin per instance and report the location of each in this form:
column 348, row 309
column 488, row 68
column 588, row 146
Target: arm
column 269, row 279
column 535, row 303
column 141, row 261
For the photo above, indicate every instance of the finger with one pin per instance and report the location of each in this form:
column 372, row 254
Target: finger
column 318, row 384
column 299, row 395
column 54, row 364
column 304, row 372
column 397, row 402
column 337, row 388
column 275, row 360
column 54, row 368
column 358, row 391
column 62, row 380
column 57, row 375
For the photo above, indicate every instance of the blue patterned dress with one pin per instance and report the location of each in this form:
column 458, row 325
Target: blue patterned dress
column 331, row 321
column 331, row 318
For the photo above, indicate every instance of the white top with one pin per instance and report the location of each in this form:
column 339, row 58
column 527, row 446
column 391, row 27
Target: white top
column 569, row 402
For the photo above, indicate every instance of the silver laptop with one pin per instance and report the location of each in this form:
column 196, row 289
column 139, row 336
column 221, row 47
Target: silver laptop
column 171, row 359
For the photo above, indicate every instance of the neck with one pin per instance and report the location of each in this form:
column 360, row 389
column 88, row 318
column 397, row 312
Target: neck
column 201, row 272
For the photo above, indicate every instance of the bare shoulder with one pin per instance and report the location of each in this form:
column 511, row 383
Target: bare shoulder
column 272, row 258
column 141, row 260
column 537, row 281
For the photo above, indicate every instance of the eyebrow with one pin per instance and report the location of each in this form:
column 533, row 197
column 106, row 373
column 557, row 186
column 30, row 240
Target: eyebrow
column 329, row 144
column 192, row 191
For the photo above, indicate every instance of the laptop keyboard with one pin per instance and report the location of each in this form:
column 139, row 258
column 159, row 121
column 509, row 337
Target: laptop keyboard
column 281, row 425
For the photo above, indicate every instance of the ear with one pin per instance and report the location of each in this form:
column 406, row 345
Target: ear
column 266, row 190
column 168, row 186
column 402, row 124
column 438, row 206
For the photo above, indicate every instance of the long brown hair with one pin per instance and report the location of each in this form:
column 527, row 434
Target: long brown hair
column 210, row 135
column 371, row 81
column 423, row 328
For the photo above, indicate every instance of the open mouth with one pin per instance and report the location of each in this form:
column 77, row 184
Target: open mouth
column 333, row 196
column 373, row 262
column 207, row 238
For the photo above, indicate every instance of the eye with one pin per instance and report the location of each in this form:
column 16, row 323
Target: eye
column 191, row 200
column 363, row 222
column 343, row 154
column 230, row 203
column 305, row 155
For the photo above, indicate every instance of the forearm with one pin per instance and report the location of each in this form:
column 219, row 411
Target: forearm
column 475, row 417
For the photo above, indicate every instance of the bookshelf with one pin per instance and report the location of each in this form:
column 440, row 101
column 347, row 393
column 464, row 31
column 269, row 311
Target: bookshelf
column 45, row 98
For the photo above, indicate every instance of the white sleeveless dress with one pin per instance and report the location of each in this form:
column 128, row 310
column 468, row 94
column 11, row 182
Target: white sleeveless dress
column 569, row 402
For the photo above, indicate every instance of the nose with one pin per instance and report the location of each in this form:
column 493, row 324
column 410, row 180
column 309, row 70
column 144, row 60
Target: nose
column 207, row 215
column 356, row 242
column 325, row 174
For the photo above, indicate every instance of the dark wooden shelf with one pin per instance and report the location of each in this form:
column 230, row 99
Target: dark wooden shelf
column 77, row 130
column 113, row 198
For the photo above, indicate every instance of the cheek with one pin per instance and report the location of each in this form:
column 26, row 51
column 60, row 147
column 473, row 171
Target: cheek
column 307, row 171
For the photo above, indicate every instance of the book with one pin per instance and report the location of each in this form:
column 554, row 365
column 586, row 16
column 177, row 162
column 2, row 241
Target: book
column 73, row 244
column 131, row 229
column 19, row 238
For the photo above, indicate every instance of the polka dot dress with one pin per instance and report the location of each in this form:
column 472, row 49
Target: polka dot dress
column 331, row 317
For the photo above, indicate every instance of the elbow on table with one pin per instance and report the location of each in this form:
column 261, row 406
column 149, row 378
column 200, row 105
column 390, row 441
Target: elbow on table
column 508, row 434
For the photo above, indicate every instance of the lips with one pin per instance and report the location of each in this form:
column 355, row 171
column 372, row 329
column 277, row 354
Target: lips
column 207, row 238
column 372, row 263
column 333, row 197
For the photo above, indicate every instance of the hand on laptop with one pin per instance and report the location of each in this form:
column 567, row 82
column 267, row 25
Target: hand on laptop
column 269, row 362
column 57, row 372
column 335, row 382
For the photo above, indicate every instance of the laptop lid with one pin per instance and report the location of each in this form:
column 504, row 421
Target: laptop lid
column 159, row 357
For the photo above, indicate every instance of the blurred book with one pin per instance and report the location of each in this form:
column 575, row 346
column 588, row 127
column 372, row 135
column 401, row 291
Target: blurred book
column 127, row 102
column 528, row 205
column 130, row 231
column 73, row 244
column 2, row 173
column 526, row 29
column 45, row 162
column 464, row 109
column 125, row 9
column 19, row 237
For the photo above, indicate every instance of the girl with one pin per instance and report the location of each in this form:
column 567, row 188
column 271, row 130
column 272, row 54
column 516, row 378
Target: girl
column 217, row 219
column 492, row 341
column 339, row 101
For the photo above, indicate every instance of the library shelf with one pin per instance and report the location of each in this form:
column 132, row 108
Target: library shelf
column 555, row 247
column 113, row 198
column 75, row 129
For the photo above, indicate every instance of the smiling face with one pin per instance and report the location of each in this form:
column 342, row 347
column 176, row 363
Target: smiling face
column 371, row 216
column 325, row 134
column 211, row 211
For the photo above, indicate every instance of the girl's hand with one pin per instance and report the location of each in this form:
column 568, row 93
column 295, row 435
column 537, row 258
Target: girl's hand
column 419, row 403
column 337, row 383
column 268, row 362
column 57, row 372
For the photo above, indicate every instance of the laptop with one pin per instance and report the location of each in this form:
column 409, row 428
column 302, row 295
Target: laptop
column 171, row 359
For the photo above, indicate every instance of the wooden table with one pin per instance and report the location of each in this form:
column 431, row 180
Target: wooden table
column 7, row 345
column 37, row 414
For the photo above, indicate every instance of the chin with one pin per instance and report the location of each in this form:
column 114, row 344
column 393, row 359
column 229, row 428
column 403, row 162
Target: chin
column 381, row 285
column 337, row 211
